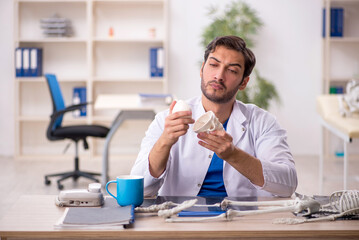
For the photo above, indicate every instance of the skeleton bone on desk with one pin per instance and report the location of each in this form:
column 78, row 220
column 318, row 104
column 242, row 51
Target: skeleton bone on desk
column 341, row 203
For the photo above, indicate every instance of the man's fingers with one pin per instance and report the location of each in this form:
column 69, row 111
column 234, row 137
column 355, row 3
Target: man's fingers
column 208, row 146
column 176, row 128
column 172, row 106
column 180, row 114
column 177, row 121
column 211, row 139
column 221, row 134
column 174, row 133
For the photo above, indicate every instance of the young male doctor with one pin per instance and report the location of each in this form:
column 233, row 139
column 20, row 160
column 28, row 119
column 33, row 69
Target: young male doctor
column 250, row 157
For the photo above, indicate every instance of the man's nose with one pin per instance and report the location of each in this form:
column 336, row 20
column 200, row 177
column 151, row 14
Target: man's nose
column 220, row 74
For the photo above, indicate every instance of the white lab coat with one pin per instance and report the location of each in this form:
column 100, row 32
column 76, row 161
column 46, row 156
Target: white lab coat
column 254, row 130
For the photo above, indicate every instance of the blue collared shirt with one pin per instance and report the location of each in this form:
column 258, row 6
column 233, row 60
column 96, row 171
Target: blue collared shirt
column 213, row 184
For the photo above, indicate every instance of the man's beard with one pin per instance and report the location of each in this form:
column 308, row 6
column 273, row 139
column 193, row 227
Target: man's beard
column 226, row 97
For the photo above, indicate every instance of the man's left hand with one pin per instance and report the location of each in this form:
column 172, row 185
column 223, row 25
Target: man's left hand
column 219, row 142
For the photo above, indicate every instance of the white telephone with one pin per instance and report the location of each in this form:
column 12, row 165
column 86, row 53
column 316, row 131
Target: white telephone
column 90, row 197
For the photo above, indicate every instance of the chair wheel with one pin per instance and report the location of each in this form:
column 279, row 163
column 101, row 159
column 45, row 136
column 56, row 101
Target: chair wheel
column 47, row 181
column 60, row 186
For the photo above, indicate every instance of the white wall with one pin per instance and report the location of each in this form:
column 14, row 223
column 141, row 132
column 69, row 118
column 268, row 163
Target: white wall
column 6, row 78
column 288, row 51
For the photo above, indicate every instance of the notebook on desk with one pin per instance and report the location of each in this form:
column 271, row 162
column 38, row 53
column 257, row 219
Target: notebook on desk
column 109, row 216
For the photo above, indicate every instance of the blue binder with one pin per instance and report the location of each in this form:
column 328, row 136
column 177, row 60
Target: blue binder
column 19, row 71
column 26, row 62
column 79, row 96
column 156, row 62
column 339, row 22
column 35, row 62
column 160, row 62
column 336, row 22
column 153, row 62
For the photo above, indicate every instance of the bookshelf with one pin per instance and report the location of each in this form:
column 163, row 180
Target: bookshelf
column 341, row 54
column 107, row 53
column 340, row 61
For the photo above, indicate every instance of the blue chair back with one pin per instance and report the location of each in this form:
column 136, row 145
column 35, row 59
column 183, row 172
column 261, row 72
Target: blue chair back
column 56, row 96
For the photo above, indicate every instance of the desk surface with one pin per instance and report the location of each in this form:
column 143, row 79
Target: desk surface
column 34, row 216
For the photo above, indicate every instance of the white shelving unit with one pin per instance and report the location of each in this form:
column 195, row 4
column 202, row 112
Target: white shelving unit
column 340, row 60
column 341, row 54
column 90, row 58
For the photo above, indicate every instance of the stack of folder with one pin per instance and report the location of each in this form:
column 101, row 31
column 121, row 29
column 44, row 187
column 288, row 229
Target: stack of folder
column 28, row 62
column 56, row 27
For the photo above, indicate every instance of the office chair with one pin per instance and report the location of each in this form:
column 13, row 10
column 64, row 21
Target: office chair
column 76, row 133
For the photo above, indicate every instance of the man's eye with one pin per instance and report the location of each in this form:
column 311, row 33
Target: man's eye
column 213, row 65
column 233, row 71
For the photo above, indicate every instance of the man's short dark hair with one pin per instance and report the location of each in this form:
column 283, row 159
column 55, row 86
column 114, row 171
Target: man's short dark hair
column 237, row 44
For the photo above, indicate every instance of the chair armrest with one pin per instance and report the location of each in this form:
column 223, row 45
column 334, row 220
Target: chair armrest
column 58, row 114
column 71, row 108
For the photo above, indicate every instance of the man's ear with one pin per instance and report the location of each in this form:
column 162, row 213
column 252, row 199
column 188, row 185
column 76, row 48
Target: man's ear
column 201, row 71
column 244, row 83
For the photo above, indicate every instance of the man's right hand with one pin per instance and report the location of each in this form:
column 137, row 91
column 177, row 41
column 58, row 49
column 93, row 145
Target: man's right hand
column 176, row 125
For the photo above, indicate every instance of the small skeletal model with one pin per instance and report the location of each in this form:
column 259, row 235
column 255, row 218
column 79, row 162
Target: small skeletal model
column 351, row 98
column 340, row 204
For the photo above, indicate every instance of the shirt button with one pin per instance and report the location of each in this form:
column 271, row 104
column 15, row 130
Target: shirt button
column 243, row 129
column 199, row 185
column 210, row 156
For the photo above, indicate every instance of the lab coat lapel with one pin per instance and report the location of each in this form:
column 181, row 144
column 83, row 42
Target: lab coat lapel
column 236, row 126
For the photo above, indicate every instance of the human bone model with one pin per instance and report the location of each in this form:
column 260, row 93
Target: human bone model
column 350, row 99
column 341, row 203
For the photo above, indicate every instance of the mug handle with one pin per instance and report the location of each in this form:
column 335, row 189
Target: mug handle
column 113, row 181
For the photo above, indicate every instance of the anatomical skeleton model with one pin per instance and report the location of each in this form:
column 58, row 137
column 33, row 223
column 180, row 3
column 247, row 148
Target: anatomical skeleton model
column 341, row 203
column 349, row 102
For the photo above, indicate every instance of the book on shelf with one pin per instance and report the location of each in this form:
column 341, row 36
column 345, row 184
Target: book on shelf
column 336, row 22
column 18, row 62
column 28, row 62
column 336, row 90
column 79, row 96
column 109, row 216
column 156, row 62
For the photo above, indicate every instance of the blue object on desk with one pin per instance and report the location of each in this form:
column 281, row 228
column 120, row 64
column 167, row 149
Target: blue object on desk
column 199, row 213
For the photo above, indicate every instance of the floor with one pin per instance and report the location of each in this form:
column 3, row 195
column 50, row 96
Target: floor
column 27, row 177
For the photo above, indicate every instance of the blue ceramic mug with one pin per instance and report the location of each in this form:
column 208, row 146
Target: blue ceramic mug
column 129, row 190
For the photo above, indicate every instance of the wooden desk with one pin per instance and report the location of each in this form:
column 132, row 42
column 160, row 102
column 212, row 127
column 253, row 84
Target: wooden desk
column 34, row 217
